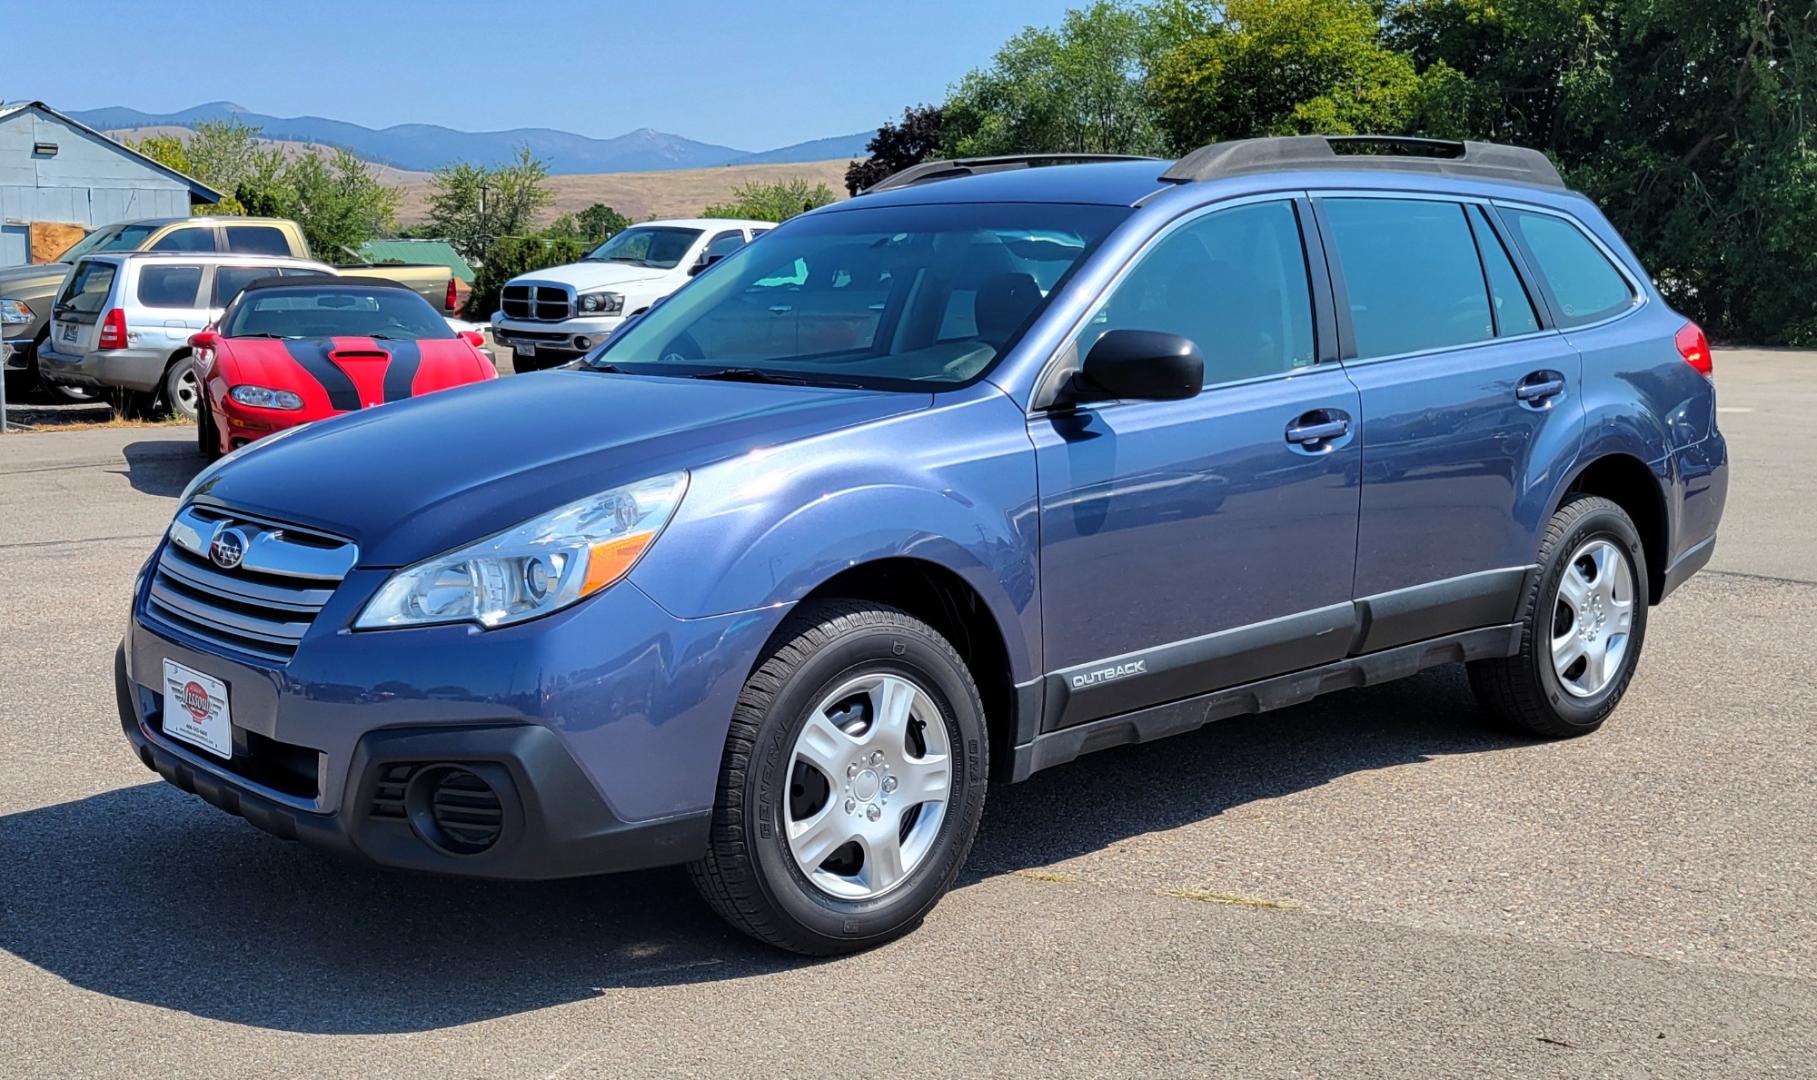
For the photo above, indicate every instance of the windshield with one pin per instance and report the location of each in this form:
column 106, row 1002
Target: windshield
column 319, row 311
column 112, row 238
column 907, row 297
column 661, row 247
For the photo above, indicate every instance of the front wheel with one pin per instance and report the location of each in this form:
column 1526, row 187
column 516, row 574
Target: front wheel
column 1584, row 618
column 208, row 437
column 852, row 783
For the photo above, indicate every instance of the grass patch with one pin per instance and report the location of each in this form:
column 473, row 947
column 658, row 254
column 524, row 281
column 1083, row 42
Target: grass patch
column 1055, row 876
column 1208, row 896
column 35, row 427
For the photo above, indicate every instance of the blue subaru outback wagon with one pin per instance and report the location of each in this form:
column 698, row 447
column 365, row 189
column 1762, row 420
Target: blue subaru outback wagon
column 988, row 468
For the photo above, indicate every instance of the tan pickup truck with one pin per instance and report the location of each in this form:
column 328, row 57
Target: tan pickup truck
column 26, row 292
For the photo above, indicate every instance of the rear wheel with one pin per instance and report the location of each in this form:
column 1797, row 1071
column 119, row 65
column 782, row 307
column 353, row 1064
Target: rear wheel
column 1585, row 618
column 183, row 388
column 852, row 783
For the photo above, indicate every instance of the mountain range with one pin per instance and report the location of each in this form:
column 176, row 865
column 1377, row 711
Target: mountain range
column 429, row 146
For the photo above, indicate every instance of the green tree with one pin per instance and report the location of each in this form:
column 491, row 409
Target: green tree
column 472, row 205
column 224, row 154
column 599, row 222
column 1284, row 67
column 1077, row 89
column 779, row 200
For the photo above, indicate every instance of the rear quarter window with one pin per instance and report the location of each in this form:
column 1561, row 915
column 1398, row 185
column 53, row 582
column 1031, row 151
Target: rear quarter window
column 257, row 240
column 169, row 286
column 1585, row 286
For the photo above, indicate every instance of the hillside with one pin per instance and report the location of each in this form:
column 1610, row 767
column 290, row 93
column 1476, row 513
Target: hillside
column 425, row 147
column 641, row 196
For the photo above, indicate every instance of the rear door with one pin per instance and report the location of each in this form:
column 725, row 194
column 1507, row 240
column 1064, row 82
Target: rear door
column 76, row 316
column 1470, row 409
column 1192, row 545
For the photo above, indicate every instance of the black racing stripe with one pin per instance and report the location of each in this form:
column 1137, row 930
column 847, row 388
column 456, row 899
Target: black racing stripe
column 312, row 356
column 400, row 374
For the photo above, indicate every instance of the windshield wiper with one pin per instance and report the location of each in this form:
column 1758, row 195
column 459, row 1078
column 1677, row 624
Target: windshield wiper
column 747, row 374
column 255, row 334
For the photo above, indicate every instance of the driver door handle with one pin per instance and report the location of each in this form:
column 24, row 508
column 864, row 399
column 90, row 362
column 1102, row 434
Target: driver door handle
column 781, row 309
column 1308, row 429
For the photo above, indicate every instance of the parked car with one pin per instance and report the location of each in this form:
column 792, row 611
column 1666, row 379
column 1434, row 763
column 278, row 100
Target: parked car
column 290, row 350
column 27, row 292
column 123, row 321
column 1046, row 460
column 551, row 316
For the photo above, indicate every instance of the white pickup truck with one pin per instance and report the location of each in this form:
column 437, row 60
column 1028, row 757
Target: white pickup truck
column 553, row 315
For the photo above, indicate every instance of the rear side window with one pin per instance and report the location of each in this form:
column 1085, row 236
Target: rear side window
column 86, row 293
column 257, row 240
column 1411, row 269
column 229, row 280
column 169, row 286
column 1234, row 282
column 1513, row 308
column 199, row 238
column 1585, row 285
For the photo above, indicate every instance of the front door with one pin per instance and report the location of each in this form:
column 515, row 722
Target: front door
column 1470, row 409
column 1192, row 545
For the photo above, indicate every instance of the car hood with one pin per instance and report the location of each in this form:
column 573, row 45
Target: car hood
column 42, row 276
column 415, row 478
column 582, row 276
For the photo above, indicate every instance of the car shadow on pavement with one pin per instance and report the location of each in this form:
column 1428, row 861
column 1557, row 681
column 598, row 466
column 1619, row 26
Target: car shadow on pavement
column 147, row 894
column 162, row 466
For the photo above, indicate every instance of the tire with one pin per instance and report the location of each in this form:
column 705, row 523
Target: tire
column 1580, row 640
column 839, row 667
column 182, row 389
column 56, row 392
column 208, row 437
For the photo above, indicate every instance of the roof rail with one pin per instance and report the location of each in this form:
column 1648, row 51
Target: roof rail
column 1396, row 153
column 929, row 171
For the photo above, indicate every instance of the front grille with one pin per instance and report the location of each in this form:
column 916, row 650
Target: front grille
column 538, row 303
column 261, row 605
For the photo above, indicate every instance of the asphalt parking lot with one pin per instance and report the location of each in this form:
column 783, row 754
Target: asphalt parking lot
column 1371, row 885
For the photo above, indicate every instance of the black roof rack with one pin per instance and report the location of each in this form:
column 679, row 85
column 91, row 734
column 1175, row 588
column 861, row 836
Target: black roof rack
column 929, row 171
column 1396, row 153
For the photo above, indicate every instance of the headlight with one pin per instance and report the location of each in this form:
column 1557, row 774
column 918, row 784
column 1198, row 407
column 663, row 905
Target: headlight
column 15, row 312
column 602, row 303
column 540, row 566
column 260, row 397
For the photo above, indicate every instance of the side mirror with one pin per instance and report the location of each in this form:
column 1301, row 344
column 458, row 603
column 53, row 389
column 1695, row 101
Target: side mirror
column 204, row 339
column 705, row 261
column 473, row 338
column 1140, row 365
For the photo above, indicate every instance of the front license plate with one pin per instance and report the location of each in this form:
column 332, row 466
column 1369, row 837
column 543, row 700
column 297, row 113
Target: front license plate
column 528, row 348
column 195, row 709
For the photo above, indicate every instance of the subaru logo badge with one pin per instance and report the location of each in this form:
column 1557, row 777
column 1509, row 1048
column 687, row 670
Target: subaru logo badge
column 228, row 548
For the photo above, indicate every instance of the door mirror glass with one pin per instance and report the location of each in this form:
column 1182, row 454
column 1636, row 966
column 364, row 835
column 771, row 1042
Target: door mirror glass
column 1140, row 365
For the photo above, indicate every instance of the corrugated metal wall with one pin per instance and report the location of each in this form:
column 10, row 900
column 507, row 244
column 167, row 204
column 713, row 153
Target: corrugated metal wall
column 88, row 181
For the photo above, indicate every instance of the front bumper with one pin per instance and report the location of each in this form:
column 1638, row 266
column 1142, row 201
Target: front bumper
column 600, row 729
column 12, row 353
column 569, row 338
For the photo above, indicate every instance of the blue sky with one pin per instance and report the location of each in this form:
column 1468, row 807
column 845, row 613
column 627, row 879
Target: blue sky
column 753, row 75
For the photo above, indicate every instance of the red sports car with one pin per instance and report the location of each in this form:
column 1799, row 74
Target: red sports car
column 289, row 350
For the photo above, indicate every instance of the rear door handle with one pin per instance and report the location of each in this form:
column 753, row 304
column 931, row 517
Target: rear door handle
column 1308, row 430
column 1539, row 386
column 781, row 309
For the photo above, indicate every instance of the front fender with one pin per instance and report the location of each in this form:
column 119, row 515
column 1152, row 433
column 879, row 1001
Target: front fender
column 953, row 485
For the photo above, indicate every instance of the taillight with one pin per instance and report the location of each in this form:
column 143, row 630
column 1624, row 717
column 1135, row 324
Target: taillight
column 452, row 298
column 1695, row 348
column 113, row 331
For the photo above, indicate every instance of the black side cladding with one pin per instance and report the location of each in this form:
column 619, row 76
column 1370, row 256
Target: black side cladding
column 312, row 356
